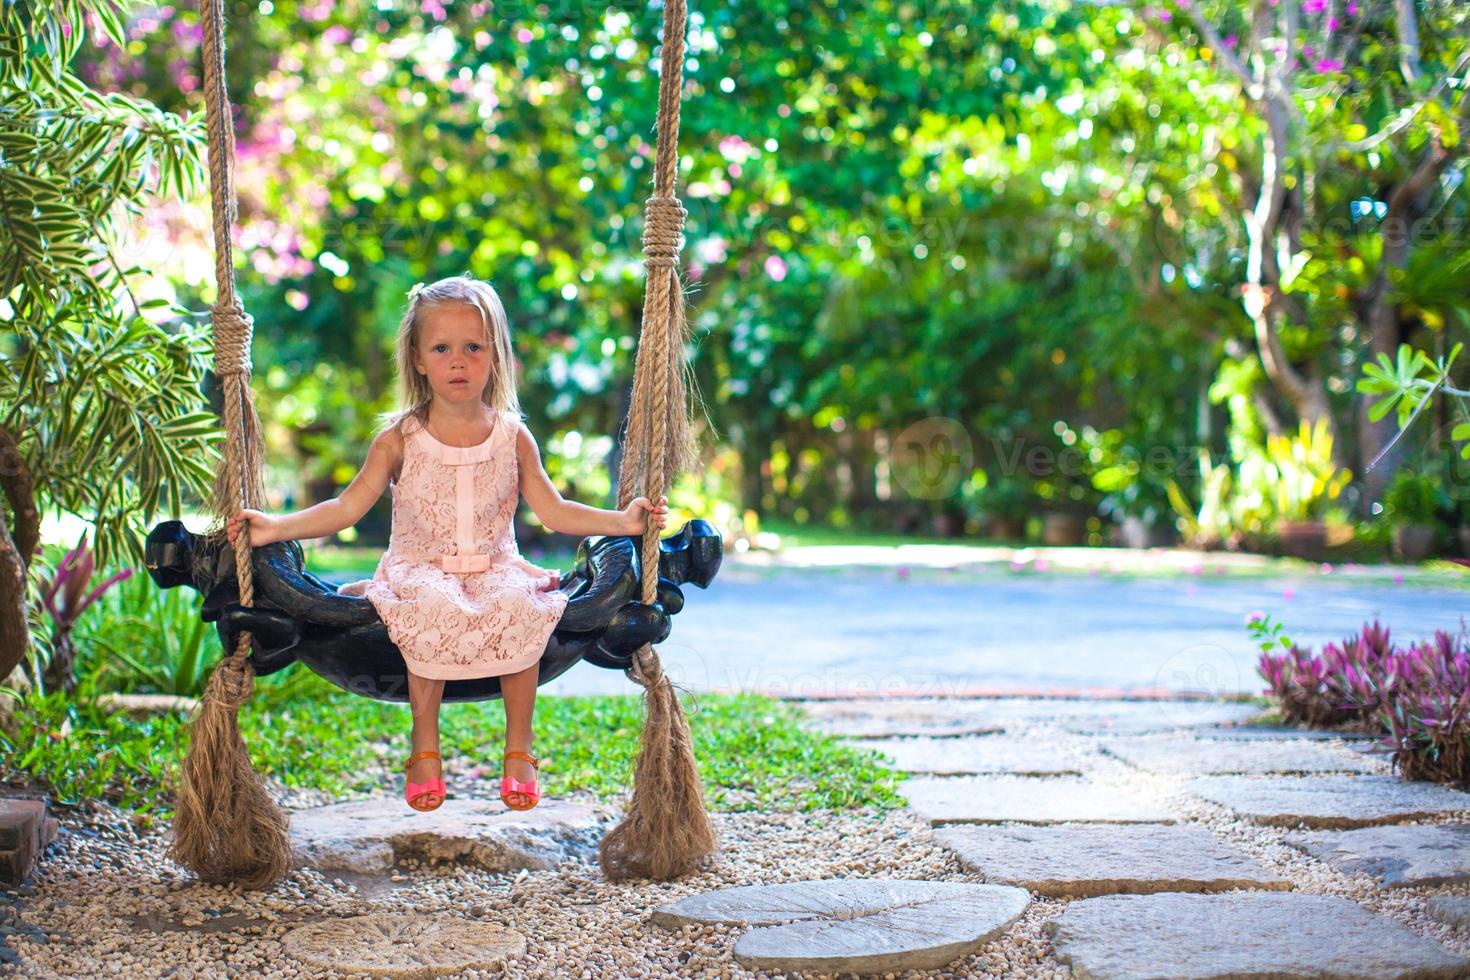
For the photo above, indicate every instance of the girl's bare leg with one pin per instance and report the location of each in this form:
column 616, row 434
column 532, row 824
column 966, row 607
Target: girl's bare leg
column 518, row 691
column 424, row 696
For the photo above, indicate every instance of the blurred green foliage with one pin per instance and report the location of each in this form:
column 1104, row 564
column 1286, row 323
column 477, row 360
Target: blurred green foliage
column 1026, row 217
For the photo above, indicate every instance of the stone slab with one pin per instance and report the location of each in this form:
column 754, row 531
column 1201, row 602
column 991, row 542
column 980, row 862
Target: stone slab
column 1451, row 909
column 1175, row 754
column 1242, row 934
column 999, row 799
column 1397, row 856
column 1083, row 860
column 1328, row 801
column 896, row 717
column 1281, row 731
column 854, row 925
column 410, row 946
column 969, row 755
column 373, row 835
column 1143, row 717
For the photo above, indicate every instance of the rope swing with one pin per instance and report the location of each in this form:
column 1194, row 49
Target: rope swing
column 227, row 828
column 667, row 830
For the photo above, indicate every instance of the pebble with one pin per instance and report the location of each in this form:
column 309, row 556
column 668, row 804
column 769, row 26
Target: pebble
column 133, row 914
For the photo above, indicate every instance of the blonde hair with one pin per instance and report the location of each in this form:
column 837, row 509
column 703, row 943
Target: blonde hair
column 414, row 393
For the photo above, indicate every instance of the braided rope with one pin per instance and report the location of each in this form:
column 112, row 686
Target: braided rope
column 227, row 827
column 666, row 831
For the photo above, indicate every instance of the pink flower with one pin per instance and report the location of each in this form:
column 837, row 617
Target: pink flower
column 903, row 571
column 1398, row 579
column 1352, row 8
column 1255, row 616
column 1313, row 6
column 1333, row 24
column 1288, row 593
column 1041, row 564
column 1326, row 568
column 735, row 149
column 1328, row 64
column 775, row 268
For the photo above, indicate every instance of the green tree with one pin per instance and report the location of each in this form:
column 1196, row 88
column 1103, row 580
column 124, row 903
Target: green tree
column 1350, row 124
column 100, row 412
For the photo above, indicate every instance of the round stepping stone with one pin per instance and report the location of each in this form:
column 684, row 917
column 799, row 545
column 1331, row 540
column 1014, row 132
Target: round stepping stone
column 1328, row 801
column 372, row 835
column 854, row 925
column 403, row 945
column 1172, row 754
column 1242, row 934
column 969, row 755
column 1002, row 799
column 1080, row 860
column 1398, row 856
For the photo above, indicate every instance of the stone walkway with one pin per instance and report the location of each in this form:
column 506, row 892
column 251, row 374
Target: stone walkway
column 1045, row 838
column 1181, row 842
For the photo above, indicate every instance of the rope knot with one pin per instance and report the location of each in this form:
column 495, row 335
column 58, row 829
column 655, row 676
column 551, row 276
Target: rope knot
column 646, row 669
column 232, row 682
column 233, row 328
column 663, row 231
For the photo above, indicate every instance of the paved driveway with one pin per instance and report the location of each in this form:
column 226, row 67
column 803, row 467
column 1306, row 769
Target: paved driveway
column 832, row 631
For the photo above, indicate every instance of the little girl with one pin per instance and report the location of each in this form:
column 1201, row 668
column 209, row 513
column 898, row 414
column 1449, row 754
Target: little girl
column 453, row 590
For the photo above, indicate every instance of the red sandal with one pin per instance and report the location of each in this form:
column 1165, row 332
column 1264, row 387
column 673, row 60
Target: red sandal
column 427, row 795
column 511, row 788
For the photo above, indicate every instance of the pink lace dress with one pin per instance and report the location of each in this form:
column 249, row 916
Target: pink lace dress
column 457, row 597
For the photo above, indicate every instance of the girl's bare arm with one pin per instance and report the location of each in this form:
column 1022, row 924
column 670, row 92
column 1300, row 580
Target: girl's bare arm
column 384, row 458
column 568, row 516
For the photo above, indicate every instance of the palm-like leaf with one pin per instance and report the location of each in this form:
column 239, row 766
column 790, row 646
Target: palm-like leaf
column 105, row 405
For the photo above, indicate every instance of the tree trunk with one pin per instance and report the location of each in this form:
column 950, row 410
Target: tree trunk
column 1270, row 231
column 18, row 543
column 1381, row 322
column 14, row 636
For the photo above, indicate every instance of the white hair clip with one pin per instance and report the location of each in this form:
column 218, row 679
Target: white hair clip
column 413, row 293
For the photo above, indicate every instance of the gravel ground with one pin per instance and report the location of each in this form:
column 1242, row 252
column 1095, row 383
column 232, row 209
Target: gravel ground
column 106, row 901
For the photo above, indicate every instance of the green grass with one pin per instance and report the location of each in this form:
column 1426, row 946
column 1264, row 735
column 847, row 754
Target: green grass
column 752, row 752
column 794, row 535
